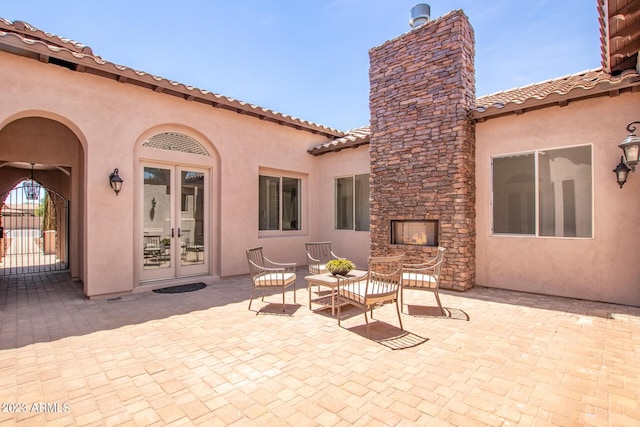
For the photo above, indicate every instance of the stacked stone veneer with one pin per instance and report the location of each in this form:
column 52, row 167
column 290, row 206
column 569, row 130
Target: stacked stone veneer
column 422, row 147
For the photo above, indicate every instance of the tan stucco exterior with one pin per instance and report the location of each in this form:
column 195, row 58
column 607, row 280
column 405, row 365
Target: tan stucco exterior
column 85, row 124
column 601, row 268
column 352, row 161
column 111, row 120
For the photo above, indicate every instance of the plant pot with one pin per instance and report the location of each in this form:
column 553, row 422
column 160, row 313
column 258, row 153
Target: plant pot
column 340, row 272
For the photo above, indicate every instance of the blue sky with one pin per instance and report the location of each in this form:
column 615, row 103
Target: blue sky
column 309, row 58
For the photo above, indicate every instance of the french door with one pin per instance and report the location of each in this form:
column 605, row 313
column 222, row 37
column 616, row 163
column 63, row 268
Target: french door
column 175, row 222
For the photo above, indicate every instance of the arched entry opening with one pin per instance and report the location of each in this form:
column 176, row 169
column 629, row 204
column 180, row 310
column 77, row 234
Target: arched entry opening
column 33, row 226
column 177, row 220
column 41, row 230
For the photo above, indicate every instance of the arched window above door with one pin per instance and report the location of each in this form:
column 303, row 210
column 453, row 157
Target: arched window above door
column 172, row 141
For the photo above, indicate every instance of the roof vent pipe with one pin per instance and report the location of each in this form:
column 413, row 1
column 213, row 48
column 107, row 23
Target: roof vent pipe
column 420, row 15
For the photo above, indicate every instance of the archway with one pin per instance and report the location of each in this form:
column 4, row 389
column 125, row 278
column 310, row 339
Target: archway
column 33, row 228
column 177, row 221
column 46, row 231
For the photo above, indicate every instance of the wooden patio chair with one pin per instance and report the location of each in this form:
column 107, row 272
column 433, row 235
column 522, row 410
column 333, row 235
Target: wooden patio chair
column 318, row 254
column 267, row 274
column 424, row 276
column 380, row 285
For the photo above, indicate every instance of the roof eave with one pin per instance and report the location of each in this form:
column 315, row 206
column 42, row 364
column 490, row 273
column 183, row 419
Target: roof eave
column 561, row 100
column 603, row 20
column 330, row 148
column 33, row 49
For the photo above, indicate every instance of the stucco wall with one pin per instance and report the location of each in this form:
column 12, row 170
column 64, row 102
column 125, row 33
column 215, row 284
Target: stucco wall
column 602, row 268
column 353, row 245
column 111, row 120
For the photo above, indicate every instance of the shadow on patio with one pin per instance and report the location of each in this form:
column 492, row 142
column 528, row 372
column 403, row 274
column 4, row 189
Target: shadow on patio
column 49, row 306
column 545, row 302
column 203, row 358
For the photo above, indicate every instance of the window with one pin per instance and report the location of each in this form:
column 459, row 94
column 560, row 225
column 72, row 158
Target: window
column 544, row 193
column 279, row 205
column 352, row 203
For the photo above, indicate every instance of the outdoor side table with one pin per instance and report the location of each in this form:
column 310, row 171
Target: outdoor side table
column 330, row 281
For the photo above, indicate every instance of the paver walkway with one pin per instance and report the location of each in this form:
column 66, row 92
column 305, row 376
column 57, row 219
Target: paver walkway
column 202, row 358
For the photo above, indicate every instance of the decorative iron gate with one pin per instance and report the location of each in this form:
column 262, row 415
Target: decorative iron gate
column 33, row 230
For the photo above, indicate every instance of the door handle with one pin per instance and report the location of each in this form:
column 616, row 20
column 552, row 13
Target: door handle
column 173, row 234
column 179, row 234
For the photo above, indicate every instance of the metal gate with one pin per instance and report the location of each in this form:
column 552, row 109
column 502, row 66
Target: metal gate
column 33, row 230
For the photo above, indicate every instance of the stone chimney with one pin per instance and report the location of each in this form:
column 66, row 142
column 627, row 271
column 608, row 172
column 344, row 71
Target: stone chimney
column 422, row 148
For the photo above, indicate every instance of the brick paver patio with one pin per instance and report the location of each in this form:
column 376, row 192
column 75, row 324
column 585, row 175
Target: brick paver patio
column 201, row 358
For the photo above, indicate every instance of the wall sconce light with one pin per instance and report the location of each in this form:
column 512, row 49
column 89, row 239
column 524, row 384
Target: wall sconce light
column 622, row 171
column 631, row 155
column 115, row 181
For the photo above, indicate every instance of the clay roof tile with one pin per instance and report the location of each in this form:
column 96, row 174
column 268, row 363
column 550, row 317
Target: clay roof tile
column 18, row 36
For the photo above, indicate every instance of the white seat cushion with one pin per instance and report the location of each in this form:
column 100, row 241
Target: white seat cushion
column 275, row 279
column 354, row 291
column 418, row 280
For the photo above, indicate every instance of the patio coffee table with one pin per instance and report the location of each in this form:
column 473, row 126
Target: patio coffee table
column 327, row 280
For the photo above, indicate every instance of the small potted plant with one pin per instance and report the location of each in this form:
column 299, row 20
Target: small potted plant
column 340, row 266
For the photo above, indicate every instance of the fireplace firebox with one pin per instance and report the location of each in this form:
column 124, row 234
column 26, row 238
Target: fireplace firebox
column 415, row 232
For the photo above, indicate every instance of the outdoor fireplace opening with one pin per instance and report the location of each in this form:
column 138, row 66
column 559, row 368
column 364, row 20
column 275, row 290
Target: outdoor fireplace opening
column 415, row 232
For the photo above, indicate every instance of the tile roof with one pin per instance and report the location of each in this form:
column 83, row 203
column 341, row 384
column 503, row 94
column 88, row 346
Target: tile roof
column 619, row 41
column 619, row 33
column 353, row 138
column 20, row 38
column 557, row 91
column 33, row 33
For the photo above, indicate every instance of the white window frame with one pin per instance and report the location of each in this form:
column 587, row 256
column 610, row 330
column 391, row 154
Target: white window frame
column 536, row 233
column 353, row 204
column 272, row 173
